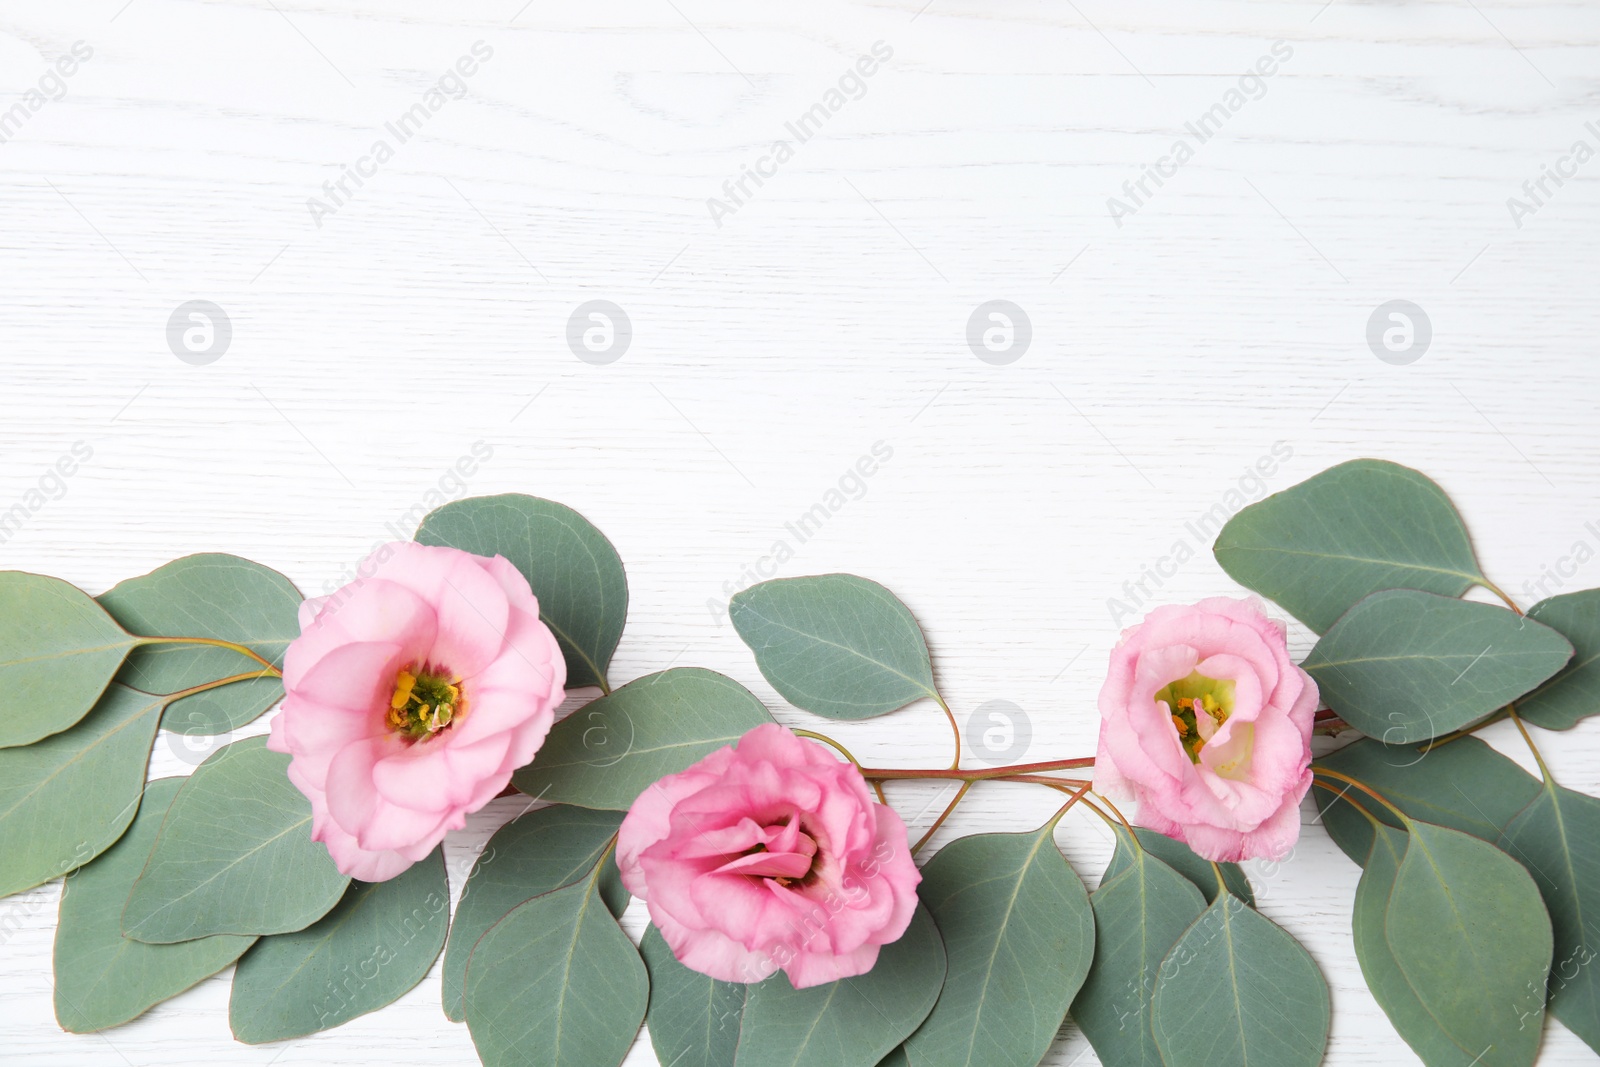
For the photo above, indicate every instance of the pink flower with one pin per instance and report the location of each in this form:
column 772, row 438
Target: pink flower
column 1206, row 722
column 411, row 695
column 770, row 854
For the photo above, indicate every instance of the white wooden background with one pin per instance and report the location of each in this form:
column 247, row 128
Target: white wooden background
column 826, row 314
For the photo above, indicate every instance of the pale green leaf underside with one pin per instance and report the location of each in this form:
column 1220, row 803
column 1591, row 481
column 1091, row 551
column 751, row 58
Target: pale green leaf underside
column 853, row 1022
column 1557, row 837
column 1465, row 785
column 556, row 982
column 377, row 943
column 693, row 1020
column 103, row 979
column 58, row 652
column 66, row 799
column 609, row 751
column 574, row 571
column 532, row 854
column 1320, row 546
column 1469, row 932
column 1574, row 694
column 208, row 595
column 1140, row 910
column 1019, row 935
column 1236, row 990
column 1405, row 666
column 835, row 644
column 1411, row 1020
column 235, row 855
column 1181, row 858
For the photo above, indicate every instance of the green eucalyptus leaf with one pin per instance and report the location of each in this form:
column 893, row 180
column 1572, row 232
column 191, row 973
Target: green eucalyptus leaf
column 103, row 979
column 376, row 944
column 235, row 855
column 1181, row 858
column 216, row 596
column 558, row 982
column 1574, row 694
column 1019, row 933
column 58, row 652
column 1557, row 838
column 1322, row 545
column 1237, row 989
column 835, row 644
column 531, row 855
column 66, row 799
column 1412, row 1021
column 574, row 571
column 1470, row 934
column 693, row 1019
column 609, row 751
column 897, row 1058
column 1140, row 911
column 853, row 1022
column 1405, row 666
column 1465, row 785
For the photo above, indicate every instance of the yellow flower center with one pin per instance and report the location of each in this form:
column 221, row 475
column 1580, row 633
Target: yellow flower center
column 1198, row 706
column 426, row 700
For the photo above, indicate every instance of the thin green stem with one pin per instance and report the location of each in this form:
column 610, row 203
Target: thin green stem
column 889, row 774
column 1222, row 883
column 955, row 731
column 943, row 815
column 214, row 642
column 1337, row 776
column 1339, row 794
column 825, row 739
column 1079, row 795
column 172, row 698
column 1497, row 591
column 1538, row 757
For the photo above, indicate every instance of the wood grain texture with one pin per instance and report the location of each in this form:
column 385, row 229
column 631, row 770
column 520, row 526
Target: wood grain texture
column 824, row 315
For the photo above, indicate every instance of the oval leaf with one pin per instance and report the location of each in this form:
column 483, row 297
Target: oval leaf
column 1237, row 989
column 559, row 976
column 1574, row 694
column 1019, row 934
column 609, row 751
column 853, row 1022
column 530, row 855
column 377, row 942
column 66, row 799
column 213, row 595
column 1404, row 666
column 1465, row 785
column 1557, row 837
column 693, row 1020
column 1140, row 911
column 1412, row 1021
column 58, row 652
column 102, row 978
column 235, row 855
column 1181, row 858
column 574, row 571
column 1354, row 529
column 1470, row 933
column 835, row 644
